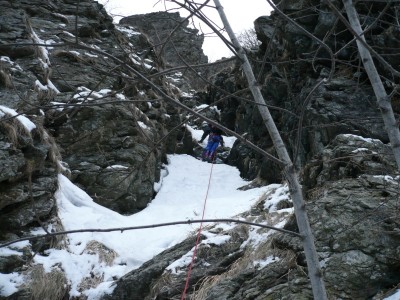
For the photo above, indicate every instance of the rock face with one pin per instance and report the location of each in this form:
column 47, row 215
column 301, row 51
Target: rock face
column 117, row 177
column 104, row 146
column 174, row 44
column 86, row 113
column 83, row 114
column 287, row 79
column 347, row 170
column 28, row 179
column 170, row 36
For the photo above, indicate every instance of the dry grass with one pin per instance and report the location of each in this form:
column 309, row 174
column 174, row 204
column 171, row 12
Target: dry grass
column 345, row 72
column 105, row 254
column 89, row 282
column 286, row 259
column 206, row 284
column 71, row 56
column 45, row 95
column 316, row 193
column 74, row 57
column 58, row 241
column 161, row 285
column 54, row 152
column 11, row 132
column 13, row 129
column 46, row 286
column 5, row 78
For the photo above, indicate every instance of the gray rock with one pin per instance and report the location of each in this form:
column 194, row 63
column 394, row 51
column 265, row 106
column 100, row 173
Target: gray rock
column 12, row 161
column 138, row 283
column 110, row 156
column 349, row 156
column 175, row 44
column 17, row 217
column 355, row 227
column 158, row 27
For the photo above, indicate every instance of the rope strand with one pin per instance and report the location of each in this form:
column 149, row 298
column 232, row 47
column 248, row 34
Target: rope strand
column 198, row 237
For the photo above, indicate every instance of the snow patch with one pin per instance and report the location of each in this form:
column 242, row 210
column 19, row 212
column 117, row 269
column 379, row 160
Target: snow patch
column 395, row 296
column 276, row 194
column 180, row 196
column 9, row 283
column 120, row 96
column 84, row 92
column 142, row 125
column 129, row 31
column 360, row 138
column 14, row 65
column 358, row 150
column 180, row 265
column 28, row 124
column 117, row 167
column 260, row 264
column 90, row 54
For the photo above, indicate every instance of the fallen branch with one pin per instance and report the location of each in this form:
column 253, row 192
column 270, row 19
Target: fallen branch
column 122, row 229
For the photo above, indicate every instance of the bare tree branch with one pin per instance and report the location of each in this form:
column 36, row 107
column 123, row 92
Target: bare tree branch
column 122, row 229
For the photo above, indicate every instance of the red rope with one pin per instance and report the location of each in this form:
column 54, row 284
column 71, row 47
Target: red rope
column 198, row 237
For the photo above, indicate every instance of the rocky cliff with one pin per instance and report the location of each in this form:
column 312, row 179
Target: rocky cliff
column 72, row 102
column 347, row 168
column 171, row 36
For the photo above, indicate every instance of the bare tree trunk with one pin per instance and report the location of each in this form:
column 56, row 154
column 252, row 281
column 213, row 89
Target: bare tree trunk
column 379, row 90
column 314, row 270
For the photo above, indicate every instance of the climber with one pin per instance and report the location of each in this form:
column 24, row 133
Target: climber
column 214, row 139
column 206, row 131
